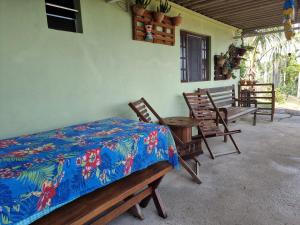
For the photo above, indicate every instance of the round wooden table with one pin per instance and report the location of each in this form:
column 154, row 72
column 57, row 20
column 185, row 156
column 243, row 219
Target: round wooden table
column 182, row 126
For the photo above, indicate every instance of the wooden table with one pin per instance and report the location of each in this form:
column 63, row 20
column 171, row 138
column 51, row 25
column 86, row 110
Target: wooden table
column 182, row 128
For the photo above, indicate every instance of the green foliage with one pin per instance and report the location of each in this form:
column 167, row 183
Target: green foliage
column 143, row 3
column 243, row 69
column 164, row 7
column 37, row 176
column 280, row 97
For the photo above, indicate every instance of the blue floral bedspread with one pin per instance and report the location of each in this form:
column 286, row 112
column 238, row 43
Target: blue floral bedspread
column 41, row 172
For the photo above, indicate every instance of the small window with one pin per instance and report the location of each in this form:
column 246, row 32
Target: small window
column 64, row 15
column 194, row 57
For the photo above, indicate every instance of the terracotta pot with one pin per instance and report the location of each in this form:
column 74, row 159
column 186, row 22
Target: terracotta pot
column 138, row 10
column 220, row 61
column 225, row 70
column 228, row 76
column 243, row 82
column 159, row 17
column 177, row 20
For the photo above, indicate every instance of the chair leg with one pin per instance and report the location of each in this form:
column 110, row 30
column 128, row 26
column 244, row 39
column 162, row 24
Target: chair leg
column 254, row 119
column 235, row 145
column 190, row 171
column 208, row 148
column 225, row 137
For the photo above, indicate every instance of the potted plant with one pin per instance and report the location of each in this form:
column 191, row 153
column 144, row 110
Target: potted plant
column 241, row 51
column 228, row 76
column 140, row 7
column 177, row 20
column 162, row 9
column 243, row 82
column 221, row 60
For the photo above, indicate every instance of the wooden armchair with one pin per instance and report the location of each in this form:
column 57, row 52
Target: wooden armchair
column 200, row 105
column 186, row 151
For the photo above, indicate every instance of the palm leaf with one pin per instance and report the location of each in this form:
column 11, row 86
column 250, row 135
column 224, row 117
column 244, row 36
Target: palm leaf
column 37, row 176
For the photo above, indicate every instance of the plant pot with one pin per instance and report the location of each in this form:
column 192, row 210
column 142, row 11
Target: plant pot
column 228, row 76
column 243, row 82
column 250, row 82
column 225, row 70
column 177, row 20
column 138, row 10
column 159, row 17
column 220, row 61
column 241, row 51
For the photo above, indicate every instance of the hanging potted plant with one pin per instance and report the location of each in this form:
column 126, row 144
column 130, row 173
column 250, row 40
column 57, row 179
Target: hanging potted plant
column 177, row 20
column 162, row 9
column 140, row 7
column 221, row 60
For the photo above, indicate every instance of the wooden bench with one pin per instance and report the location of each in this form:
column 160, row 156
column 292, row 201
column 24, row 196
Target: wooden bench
column 230, row 106
column 105, row 204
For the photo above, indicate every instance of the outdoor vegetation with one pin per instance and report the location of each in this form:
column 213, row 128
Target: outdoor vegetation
column 273, row 59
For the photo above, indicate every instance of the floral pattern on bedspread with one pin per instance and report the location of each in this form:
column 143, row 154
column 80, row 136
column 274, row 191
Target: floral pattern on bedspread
column 43, row 171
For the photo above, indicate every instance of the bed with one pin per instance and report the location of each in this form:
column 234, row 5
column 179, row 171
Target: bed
column 45, row 171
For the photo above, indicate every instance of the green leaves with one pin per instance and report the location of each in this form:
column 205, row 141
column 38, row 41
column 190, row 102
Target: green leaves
column 164, row 7
column 37, row 176
column 143, row 3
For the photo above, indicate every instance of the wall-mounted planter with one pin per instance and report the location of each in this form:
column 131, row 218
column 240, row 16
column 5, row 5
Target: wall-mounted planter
column 163, row 32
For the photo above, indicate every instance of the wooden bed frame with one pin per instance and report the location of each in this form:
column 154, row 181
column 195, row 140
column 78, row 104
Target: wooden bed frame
column 105, row 204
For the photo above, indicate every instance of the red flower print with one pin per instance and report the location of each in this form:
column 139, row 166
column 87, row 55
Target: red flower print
column 59, row 135
column 61, row 159
column 8, row 173
column 48, row 147
column 28, row 165
column 20, row 153
column 78, row 161
column 86, row 173
column 171, row 151
column 164, row 130
column 152, row 141
column 80, row 128
column 128, row 164
column 48, row 192
column 7, row 143
column 37, row 160
column 110, row 146
column 92, row 158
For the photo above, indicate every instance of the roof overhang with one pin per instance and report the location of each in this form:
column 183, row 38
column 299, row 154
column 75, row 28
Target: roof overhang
column 247, row 15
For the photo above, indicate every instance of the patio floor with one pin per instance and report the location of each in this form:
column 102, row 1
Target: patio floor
column 259, row 187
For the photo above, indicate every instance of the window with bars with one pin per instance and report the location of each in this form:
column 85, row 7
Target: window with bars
column 64, row 15
column 194, row 57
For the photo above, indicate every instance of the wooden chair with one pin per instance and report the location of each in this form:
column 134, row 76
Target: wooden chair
column 200, row 105
column 186, row 151
column 230, row 107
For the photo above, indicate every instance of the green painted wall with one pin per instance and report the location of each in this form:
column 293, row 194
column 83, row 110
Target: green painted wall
column 50, row 79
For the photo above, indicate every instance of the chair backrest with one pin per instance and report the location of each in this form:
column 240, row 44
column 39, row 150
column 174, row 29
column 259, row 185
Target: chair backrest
column 223, row 97
column 199, row 105
column 144, row 110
